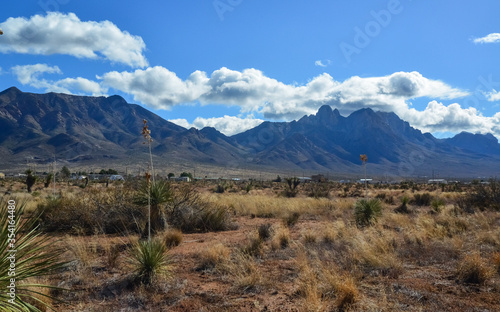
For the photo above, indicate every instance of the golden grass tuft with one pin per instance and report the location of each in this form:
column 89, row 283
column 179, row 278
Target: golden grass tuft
column 215, row 257
column 473, row 269
column 281, row 238
column 172, row 238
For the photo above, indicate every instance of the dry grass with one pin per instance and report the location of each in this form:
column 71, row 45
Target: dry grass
column 474, row 269
column 422, row 261
column 215, row 258
column 172, row 238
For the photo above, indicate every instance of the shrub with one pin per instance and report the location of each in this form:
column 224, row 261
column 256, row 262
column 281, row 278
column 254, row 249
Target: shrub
column 403, row 208
column 437, row 205
column 496, row 261
column 291, row 219
column 109, row 210
column 254, row 247
column 482, row 196
column 422, row 199
column 366, row 212
column 35, row 257
column 473, row 269
column 265, row 231
column 173, row 238
column 150, row 260
column 189, row 213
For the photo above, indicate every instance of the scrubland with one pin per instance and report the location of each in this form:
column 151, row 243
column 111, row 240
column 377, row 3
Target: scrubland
column 260, row 247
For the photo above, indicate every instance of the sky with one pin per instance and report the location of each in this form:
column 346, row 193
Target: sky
column 232, row 64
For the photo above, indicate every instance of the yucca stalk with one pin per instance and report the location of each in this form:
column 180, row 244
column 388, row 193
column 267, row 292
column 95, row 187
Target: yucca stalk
column 35, row 256
column 364, row 159
column 146, row 133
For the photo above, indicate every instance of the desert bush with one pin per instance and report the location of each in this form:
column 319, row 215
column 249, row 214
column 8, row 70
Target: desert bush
column 150, row 260
column 35, row 257
column 291, row 219
column 473, row 269
column 366, row 212
column 109, row 211
column 173, row 238
column 423, row 199
column 246, row 273
column 189, row 213
column 254, row 247
column 292, row 190
column 437, row 205
column 265, row 231
column 403, row 208
column 481, row 196
column 319, row 190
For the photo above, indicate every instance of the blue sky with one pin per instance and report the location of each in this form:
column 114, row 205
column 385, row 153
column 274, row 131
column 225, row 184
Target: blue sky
column 233, row 63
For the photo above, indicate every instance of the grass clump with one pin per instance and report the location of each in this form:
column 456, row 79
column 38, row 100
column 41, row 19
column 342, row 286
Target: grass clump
column 366, row 212
column 265, row 231
column 150, row 260
column 473, row 269
column 291, row 219
column 281, row 238
column 173, row 238
column 215, row 257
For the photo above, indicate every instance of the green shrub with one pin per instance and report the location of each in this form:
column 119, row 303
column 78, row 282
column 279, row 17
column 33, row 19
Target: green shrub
column 437, row 205
column 403, row 208
column 366, row 212
column 481, row 196
column 150, row 260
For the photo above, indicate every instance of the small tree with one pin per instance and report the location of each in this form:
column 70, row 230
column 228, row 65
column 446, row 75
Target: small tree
column 65, row 173
column 30, row 180
column 171, row 175
column 48, row 179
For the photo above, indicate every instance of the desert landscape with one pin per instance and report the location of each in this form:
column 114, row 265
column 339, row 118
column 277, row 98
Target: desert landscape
column 266, row 246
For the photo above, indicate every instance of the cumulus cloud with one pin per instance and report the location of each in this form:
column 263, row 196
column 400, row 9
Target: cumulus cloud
column 491, row 38
column 30, row 75
column 229, row 125
column 452, row 118
column 493, row 96
column 322, row 63
column 59, row 33
column 254, row 92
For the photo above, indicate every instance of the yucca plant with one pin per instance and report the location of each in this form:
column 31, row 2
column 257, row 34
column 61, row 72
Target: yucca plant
column 154, row 194
column 150, row 260
column 366, row 212
column 35, row 256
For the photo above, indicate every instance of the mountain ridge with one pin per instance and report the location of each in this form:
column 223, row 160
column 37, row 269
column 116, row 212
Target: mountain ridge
column 93, row 129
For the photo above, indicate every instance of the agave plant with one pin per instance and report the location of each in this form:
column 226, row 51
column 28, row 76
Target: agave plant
column 34, row 256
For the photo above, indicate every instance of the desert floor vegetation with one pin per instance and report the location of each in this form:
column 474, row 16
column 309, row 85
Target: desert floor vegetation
column 327, row 248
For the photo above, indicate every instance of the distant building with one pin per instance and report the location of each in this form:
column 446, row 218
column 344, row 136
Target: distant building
column 437, row 181
column 116, row 177
column 2, row 175
column 319, row 178
column 183, row 179
column 304, row 179
column 365, row 180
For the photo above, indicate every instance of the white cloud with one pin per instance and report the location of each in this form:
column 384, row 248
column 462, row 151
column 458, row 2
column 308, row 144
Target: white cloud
column 29, row 75
column 59, row 33
column 491, row 38
column 229, row 125
column 452, row 118
column 252, row 91
column 493, row 96
column 321, row 64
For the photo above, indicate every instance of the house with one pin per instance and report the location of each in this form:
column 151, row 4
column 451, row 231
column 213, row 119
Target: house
column 2, row 175
column 183, row 179
column 365, row 180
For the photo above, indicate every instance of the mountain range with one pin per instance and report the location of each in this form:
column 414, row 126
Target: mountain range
column 82, row 130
